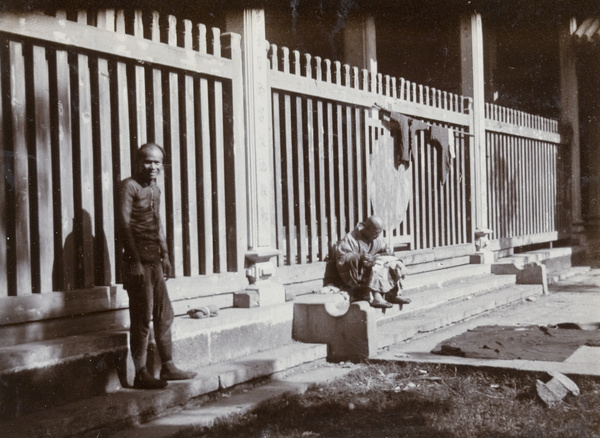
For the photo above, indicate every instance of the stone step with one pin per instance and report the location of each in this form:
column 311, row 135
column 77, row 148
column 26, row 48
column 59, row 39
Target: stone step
column 443, row 276
column 442, row 293
column 109, row 413
column 400, row 329
column 555, row 259
column 36, row 375
column 563, row 274
column 195, row 420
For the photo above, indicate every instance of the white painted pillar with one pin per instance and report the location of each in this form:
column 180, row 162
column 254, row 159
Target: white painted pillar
column 569, row 100
column 472, row 62
column 250, row 24
column 473, row 86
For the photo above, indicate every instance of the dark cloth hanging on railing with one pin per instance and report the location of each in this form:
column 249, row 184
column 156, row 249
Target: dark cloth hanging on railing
column 403, row 128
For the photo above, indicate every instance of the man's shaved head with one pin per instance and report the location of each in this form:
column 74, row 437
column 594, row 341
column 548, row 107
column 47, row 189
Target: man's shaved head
column 373, row 227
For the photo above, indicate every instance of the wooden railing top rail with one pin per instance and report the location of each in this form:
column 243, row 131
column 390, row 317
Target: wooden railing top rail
column 322, row 78
column 521, row 124
column 108, row 37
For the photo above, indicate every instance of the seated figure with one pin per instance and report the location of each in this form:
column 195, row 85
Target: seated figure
column 368, row 267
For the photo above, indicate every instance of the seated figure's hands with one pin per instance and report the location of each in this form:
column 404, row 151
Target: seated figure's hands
column 368, row 260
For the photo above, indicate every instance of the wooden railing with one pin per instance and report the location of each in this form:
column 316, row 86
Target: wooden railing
column 81, row 93
column 526, row 178
column 77, row 101
column 326, row 130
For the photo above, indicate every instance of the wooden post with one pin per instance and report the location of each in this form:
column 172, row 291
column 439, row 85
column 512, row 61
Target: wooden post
column 471, row 38
column 360, row 49
column 250, row 23
column 570, row 116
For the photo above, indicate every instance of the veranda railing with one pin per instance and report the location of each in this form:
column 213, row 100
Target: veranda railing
column 326, row 131
column 79, row 95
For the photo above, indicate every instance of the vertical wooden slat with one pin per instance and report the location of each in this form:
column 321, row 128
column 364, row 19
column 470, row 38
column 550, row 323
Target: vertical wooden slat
column 359, row 141
column 289, row 182
column 189, row 167
column 422, row 192
column 323, row 243
column 22, row 241
column 140, row 87
column 313, row 233
column 205, row 179
column 280, row 227
column 173, row 169
column 43, row 154
column 302, row 246
column 529, row 189
column 556, row 188
column 444, row 210
column 86, row 167
column 351, row 198
column 157, row 117
column 509, row 185
column 493, row 183
column 465, row 203
column 341, row 193
column 124, row 145
column 105, row 228
column 434, row 192
column 220, row 177
column 365, row 155
column 453, row 209
column 106, row 173
column 521, row 210
column 333, row 236
column 65, row 170
column 4, row 112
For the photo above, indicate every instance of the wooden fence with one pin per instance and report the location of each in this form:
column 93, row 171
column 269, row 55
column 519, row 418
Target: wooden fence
column 526, row 178
column 79, row 95
column 325, row 131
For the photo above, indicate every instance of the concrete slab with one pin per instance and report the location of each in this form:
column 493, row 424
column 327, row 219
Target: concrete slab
column 576, row 299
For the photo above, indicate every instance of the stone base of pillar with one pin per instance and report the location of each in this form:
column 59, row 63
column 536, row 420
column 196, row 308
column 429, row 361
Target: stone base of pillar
column 261, row 293
column 482, row 258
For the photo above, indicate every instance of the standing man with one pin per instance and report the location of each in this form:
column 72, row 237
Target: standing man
column 368, row 266
column 145, row 267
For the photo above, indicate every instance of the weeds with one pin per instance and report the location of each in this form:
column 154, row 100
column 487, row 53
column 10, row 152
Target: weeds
column 402, row 400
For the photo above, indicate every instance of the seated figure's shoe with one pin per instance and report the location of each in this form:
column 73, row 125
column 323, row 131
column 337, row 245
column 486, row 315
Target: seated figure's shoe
column 381, row 304
column 170, row 372
column 144, row 380
column 400, row 300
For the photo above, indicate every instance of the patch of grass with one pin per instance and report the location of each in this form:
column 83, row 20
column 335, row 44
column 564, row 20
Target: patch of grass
column 404, row 400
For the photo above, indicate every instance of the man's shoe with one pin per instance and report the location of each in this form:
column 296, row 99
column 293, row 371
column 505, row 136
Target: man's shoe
column 144, row 380
column 171, row 372
column 400, row 300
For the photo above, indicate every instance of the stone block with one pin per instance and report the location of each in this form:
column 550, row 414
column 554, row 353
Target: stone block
column 246, row 299
column 262, row 293
column 534, row 273
column 482, row 258
column 348, row 330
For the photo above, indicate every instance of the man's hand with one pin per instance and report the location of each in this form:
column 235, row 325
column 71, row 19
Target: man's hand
column 137, row 273
column 167, row 269
column 368, row 260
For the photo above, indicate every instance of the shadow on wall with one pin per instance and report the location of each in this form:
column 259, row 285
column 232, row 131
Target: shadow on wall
column 83, row 261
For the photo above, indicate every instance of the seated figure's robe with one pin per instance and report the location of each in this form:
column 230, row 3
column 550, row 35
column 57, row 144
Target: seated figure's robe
column 383, row 277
